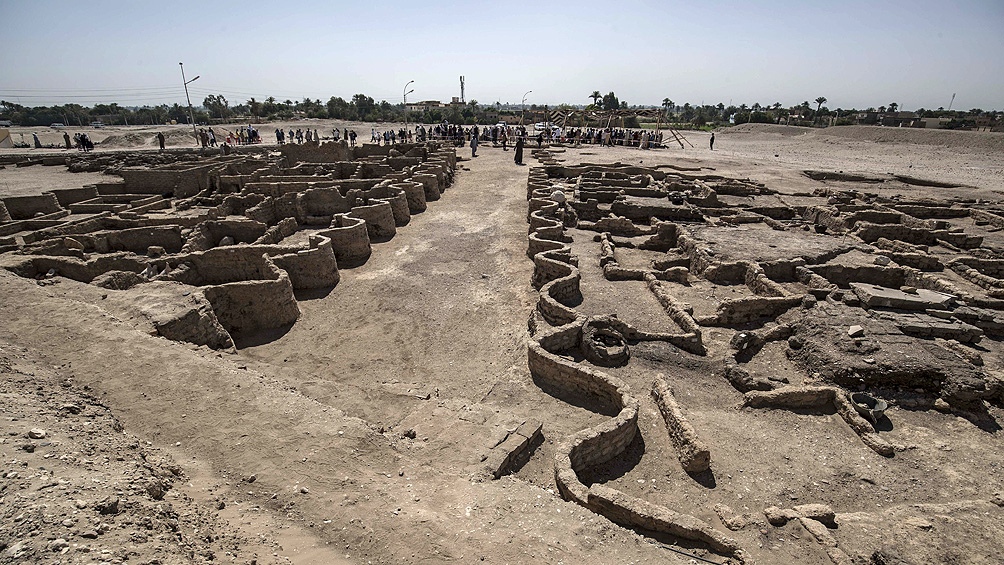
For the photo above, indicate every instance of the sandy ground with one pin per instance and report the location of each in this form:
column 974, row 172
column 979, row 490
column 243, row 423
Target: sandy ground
column 354, row 435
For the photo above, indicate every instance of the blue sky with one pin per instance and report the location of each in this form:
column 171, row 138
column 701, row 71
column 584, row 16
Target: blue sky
column 855, row 53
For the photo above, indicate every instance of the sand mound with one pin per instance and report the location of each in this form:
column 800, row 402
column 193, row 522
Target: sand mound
column 970, row 140
column 787, row 131
column 146, row 139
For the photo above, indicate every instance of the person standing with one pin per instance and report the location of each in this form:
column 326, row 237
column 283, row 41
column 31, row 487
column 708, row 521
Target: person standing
column 518, row 159
column 66, row 139
column 474, row 143
column 160, row 139
column 712, row 141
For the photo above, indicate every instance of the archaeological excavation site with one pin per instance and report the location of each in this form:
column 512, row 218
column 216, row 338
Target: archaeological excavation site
column 320, row 353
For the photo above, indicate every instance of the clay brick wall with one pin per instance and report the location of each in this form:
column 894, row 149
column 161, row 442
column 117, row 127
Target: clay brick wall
column 27, row 207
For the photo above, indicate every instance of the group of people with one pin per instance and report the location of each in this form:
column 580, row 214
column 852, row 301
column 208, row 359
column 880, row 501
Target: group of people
column 391, row 137
column 244, row 136
column 207, row 138
column 498, row 135
column 495, row 134
column 301, row 136
column 643, row 139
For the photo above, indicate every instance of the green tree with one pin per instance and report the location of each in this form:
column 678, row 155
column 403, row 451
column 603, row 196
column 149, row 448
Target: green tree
column 255, row 107
column 819, row 104
column 668, row 105
column 364, row 105
column 893, row 107
column 610, row 101
column 217, row 104
column 596, row 97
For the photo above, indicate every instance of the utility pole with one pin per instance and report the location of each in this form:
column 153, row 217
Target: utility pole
column 191, row 115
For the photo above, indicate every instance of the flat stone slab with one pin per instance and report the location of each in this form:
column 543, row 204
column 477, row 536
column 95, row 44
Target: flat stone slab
column 874, row 296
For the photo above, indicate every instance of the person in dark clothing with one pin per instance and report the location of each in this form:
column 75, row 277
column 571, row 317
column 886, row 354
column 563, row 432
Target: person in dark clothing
column 160, row 139
column 519, row 151
column 540, row 140
column 712, row 141
column 66, row 140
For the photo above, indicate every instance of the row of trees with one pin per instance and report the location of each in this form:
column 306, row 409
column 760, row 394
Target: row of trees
column 216, row 108
column 802, row 114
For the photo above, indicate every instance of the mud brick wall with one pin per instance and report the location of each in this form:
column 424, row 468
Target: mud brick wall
column 843, row 275
column 313, row 152
column 398, row 205
column 990, row 267
column 253, row 305
column 67, row 196
column 686, row 213
column 71, row 267
column 694, row 455
column 931, row 212
column 988, row 217
column 555, row 295
column 414, row 193
column 635, row 512
column 760, row 284
column 315, row 267
column 266, row 212
column 743, row 310
column 181, row 183
column 676, row 310
column 136, row 240
column 221, row 265
column 870, row 233
column 431, row 190
column 551, row 264
column 322, row 202
column 209, row 233
column 959, row 239
column 27, row 207
column 285, row 228
column 379, row 219
column 349, row 239
column 537, row 243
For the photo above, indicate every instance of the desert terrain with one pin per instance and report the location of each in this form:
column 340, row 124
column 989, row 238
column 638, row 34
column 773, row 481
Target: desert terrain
column 365, row 430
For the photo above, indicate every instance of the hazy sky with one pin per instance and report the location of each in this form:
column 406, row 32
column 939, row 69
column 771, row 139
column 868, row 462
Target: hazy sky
column 856, row 53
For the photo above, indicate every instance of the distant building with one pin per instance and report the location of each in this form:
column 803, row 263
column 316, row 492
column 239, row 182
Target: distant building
column 900, row 119
column 424, row 105
column 866, row 118
column 934, row 123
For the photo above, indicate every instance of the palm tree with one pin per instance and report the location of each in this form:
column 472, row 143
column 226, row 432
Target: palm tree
column 893, row 107
column 595, row 96
column 819, row 103
column 667, row 104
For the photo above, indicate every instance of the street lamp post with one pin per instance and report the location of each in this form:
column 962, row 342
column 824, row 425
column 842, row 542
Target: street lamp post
column 405, row 98
column 191, row 115
column 523, row 107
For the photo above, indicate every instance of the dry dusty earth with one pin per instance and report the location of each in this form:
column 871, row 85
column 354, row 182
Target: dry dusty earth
column 355, row 435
